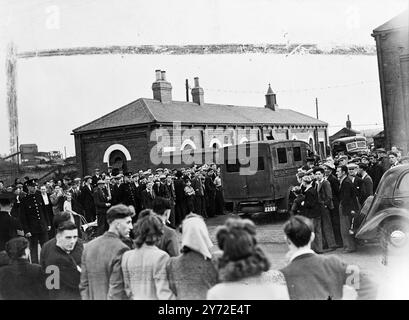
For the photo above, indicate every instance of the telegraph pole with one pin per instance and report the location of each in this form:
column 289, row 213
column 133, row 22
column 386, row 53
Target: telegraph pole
column 316, row 107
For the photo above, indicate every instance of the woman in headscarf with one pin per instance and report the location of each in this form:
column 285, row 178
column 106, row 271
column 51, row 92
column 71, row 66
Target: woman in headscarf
column 193, row 273
column 243, row 267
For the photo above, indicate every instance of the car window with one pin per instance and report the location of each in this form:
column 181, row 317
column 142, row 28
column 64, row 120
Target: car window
column 297, row 153
column 386, row 186
column 402, row 188
column 282, row 155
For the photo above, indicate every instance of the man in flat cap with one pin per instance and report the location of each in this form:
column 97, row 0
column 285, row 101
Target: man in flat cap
column 356, row 180
column 348, row 207
column 329, row 169
column 102, row 204
column 343, row 160
column 35, row 221
column 95, row 178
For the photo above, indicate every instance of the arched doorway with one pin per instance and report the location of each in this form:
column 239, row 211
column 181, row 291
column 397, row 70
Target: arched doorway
column 116, row 157
column 118, row 162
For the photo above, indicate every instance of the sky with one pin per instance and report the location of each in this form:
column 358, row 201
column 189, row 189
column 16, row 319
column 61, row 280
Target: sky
column 58, row 94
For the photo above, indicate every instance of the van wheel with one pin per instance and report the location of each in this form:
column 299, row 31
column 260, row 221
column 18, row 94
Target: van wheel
column 395, row 233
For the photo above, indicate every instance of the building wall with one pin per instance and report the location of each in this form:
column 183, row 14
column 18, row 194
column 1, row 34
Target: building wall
column 91, row 147
column 393, row 63
column 147, row 144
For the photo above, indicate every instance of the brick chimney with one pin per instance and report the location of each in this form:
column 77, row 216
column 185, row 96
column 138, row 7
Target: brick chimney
column 271, row 100
column 348, row 123
column 162, row 90
column 198, row 93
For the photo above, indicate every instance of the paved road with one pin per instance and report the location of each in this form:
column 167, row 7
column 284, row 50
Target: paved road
column 270, row 235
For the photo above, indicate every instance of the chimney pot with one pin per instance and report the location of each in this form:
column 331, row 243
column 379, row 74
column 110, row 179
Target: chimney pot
column 197, row 93
column 162, row 90
column 158, row 75
column 196, row 82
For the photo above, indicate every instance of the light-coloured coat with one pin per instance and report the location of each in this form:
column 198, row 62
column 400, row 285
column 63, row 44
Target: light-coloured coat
column 144, row 273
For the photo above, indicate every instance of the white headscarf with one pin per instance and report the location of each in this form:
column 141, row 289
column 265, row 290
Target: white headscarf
column 196, row 236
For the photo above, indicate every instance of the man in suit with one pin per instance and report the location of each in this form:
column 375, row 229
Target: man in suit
column 329, row 169
column 95, row 178
column 356, row 180
column 34, row 219
column 147, row 196
column 393, row 159
column 310, row 208
column 60, row 254
column 101, row 206
column 312, row 277
column 135, row 195
column 210, row 193
column 87, row 199
column 48, row 208
column 375, row 171
column 115, row 191
column 348, row 207
column 367, row 184
column 325, row 201
column 179, row 198
column 15, row 212
column 197, row 185
column 101, row 272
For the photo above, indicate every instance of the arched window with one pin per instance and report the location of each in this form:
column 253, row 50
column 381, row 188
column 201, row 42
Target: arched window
column 188, row 144
column 215, row 143
column 243, row 140
column 116, row 147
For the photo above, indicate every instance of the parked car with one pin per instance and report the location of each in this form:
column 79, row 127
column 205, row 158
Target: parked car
column 386, row 214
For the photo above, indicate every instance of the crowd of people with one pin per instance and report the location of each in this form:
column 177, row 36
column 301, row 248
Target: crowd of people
column 332, row 192
column 111, row 267
column 137, row 253
column 195, row 189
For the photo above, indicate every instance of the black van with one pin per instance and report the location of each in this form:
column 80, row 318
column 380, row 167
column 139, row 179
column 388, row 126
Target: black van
column 257, row 176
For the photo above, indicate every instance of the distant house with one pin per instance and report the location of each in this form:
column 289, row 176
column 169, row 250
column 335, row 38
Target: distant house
column 132, row 137
column 344, row 132
column 379, row 140
column 28, row 152
column 392, row 46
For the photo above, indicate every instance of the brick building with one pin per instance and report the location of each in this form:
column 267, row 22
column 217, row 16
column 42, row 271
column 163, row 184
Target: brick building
column 144, row 132
column 347, row 131
column 392, row 45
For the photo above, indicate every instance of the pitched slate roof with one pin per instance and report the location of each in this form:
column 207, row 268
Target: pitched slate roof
column 401, row 20
column 145, row 110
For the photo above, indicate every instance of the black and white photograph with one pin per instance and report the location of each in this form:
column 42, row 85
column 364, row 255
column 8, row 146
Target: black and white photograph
column 226, row 151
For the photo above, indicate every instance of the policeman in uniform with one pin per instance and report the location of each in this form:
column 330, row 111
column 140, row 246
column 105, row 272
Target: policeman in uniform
column 35, row 221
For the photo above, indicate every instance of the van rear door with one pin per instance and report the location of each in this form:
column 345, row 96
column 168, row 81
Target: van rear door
column 259, row 182
column 234, row 184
